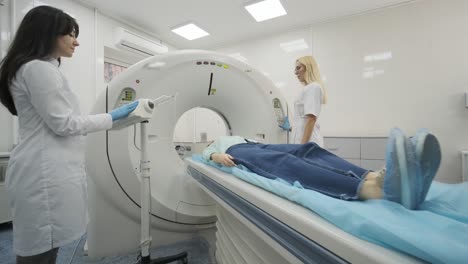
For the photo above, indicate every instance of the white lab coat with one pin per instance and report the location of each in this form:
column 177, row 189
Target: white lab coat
column 46, row 176
column 309, row 102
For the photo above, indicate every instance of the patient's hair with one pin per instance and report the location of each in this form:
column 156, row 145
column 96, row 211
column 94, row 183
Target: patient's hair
column 313, row 74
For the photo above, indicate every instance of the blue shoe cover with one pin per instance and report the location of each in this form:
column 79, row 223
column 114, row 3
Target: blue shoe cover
column 427, row 150
column 402, row 171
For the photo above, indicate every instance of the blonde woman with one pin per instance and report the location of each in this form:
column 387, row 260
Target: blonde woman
column 308, row 104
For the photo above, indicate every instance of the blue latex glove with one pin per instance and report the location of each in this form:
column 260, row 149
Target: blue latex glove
column 286, row 126
column 123, row 111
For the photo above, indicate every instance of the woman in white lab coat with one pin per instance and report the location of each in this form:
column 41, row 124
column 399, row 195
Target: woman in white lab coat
column 46, row 176
column 308, row 104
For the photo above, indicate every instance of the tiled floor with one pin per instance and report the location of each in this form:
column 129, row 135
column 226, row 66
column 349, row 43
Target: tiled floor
column 197, row 249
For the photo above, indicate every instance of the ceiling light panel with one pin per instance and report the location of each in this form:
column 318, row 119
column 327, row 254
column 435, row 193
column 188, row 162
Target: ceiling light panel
column 190, row 31
column 266, row 9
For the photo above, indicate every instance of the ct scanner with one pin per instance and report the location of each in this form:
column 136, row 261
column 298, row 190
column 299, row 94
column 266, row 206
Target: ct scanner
column 179, row 207
column 242, row 223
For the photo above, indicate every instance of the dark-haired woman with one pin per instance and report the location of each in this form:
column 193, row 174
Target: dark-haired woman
column 45, row 177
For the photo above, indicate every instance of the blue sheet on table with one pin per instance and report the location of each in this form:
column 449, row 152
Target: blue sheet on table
column 437, row 233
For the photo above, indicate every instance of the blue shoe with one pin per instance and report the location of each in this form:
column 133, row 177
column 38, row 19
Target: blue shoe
column 428, row 155
column 400, row 180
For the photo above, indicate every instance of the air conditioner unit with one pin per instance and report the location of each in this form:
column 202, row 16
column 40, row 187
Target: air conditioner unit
column 131, row 41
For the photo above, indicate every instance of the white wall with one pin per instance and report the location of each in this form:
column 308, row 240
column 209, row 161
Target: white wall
column 422, row 85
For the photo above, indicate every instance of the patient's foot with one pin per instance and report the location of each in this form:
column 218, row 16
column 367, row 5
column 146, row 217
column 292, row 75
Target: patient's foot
column 428, row 155
column 402, row 171
column 371, row 188
column 378, row 176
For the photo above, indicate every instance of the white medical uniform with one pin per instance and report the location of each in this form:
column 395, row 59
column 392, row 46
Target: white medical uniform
column 308, row 102
column 46, row 176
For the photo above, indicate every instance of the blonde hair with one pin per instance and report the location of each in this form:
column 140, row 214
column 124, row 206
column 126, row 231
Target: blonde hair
column 312, row 74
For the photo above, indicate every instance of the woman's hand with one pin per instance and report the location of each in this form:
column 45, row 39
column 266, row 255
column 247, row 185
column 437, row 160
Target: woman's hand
column 123, row 111
column 223, row 159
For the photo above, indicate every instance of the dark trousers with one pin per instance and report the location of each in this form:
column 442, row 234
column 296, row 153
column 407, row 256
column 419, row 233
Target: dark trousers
column 48, row 257
column 314, row 167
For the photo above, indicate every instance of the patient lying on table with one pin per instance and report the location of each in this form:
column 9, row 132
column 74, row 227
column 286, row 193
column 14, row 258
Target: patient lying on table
column 411, row 165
